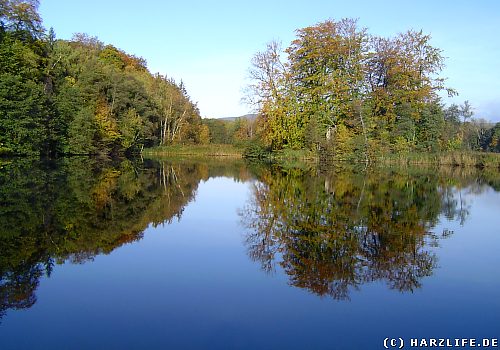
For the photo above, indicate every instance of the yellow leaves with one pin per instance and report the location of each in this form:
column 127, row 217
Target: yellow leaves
column 112, row 56
column 130, row 127
column 71, row 81
column 343, row 140
column 121, row 60
column 204, row 135
column 495, row 142
column 401, row 145
column 106, row 124
column 102, row 191
column 243, row 130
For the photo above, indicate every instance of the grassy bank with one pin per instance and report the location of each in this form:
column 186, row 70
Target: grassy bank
column 462, row 159
column 210, row 150
column 457, row 159
column 290, row 155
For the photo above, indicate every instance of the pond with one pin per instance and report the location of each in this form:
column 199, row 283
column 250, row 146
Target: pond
column 227, row 255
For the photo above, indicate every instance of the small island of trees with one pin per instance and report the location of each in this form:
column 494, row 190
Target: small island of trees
column 342, row 92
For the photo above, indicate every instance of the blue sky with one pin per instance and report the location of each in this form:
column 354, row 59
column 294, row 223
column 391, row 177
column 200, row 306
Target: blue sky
column 209, row 44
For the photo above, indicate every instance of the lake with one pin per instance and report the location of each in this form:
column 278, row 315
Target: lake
column 228, row 255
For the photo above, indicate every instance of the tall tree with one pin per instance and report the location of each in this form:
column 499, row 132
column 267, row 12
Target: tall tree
column 326, row 63
column 272, row 92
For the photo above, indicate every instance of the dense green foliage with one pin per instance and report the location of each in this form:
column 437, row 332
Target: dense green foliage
column 350, row 95
column 81, row 96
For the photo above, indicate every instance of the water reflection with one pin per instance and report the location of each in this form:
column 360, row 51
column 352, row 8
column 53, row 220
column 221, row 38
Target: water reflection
column 333, row 231
column 74, row 209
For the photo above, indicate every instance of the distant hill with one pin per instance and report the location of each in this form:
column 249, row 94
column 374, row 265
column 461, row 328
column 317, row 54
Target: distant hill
column 250, row 117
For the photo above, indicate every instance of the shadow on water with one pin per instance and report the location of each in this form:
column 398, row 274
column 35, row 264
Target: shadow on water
column 330, row 230
column 333, row 230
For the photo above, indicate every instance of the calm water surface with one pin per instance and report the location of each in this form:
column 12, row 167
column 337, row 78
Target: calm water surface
column 221, row 255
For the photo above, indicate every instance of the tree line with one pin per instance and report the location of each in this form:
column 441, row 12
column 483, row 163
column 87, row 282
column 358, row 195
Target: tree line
column 336, row 88
column 238, row 131
column 81, row 96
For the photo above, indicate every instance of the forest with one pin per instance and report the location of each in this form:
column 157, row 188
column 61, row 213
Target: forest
column 82, row 97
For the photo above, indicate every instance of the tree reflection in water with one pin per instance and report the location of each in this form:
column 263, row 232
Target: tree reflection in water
column 74, row 209
column 333, row 231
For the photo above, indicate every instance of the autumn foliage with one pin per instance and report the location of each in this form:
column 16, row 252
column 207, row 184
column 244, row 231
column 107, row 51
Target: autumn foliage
column 336, row 89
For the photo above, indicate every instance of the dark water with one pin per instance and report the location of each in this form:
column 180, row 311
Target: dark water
column 220, row 255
